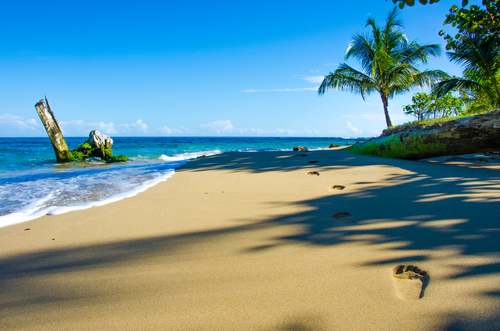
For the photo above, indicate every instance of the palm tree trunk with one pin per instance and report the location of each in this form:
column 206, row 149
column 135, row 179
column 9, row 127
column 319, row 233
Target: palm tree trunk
column 385, row 102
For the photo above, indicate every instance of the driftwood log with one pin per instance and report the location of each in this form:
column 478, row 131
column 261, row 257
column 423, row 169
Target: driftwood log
column 63, row 154
column 472, row 134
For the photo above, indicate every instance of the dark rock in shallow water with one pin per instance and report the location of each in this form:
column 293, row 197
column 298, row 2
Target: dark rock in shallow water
column 334, row 145
column 300, row 149
column 118, row 158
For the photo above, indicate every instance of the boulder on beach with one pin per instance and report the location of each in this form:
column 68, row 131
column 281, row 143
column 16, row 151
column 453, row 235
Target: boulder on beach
column 300, row 149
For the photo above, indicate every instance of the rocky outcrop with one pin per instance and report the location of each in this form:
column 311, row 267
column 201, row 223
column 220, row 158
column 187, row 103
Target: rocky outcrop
column 472, row 134
column 300, row 149
column 98, row 140
column 98, row 145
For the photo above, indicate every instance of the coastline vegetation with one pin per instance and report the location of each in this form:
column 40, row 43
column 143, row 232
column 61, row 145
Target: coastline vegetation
column 439, row 130
column 389, row 64
column 476, row 49
column 388, row 61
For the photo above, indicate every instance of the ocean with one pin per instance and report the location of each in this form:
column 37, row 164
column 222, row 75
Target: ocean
column 32, row 184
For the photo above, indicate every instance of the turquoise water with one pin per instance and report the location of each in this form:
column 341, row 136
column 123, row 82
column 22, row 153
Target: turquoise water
column 32, row 184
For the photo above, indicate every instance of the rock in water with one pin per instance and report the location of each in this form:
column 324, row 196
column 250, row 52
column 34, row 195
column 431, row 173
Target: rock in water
column 300, row 149
column 98, row 140
column 98, row 145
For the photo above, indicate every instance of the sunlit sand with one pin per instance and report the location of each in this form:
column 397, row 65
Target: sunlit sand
column 249, row 241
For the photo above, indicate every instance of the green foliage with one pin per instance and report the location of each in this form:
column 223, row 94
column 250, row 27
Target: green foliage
column 476, row 48
column 479, row 57
column 420, row 107
column 413, row 147
column 388, row 63
column 426, row 106
column 410, row 3
column 474, row 20
column 78, row 156
column 85, row 151
column 85, row 146
column 118, row 158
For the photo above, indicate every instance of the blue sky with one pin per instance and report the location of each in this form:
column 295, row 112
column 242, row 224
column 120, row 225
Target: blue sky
column 194, row 68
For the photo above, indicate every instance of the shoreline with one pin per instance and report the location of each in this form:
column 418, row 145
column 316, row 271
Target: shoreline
column 250, row 241
column 48, row 187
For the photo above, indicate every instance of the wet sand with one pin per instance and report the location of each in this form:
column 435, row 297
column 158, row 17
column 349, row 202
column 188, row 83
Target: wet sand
column 251, row 241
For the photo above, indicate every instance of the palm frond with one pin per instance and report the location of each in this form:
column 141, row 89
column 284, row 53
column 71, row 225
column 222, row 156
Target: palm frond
column 415, row 53
column 361, row 47
column 461, row 84
column 346, row 78
column 388, row 61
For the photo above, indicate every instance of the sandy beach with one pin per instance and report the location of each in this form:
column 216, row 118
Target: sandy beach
column 268, row 241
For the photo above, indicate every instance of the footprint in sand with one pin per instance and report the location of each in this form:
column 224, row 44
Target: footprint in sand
column 345, row 217
column 337, row 187
column 409, row 281
column 313, row 173
column 313, row 162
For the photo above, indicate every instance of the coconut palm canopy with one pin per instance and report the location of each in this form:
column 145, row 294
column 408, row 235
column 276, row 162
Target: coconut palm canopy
column 478, row 55
column 388, row 62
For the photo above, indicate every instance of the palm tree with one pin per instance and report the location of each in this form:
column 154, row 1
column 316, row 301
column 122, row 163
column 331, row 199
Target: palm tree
column 479, row 56
column 388, row 62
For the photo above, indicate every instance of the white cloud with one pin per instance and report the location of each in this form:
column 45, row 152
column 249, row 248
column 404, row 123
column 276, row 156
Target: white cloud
column 218, row 126
column 286, row 89
column 80, row 127
column 246, row 131
column 285, row 131
column 18, row 122
column 314, row 79
column 109, row 128
column 137, row 125
column 314, row 70
column 353, row 129
column 165, row 129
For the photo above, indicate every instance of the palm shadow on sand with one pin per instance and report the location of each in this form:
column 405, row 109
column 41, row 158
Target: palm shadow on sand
column 429, row 209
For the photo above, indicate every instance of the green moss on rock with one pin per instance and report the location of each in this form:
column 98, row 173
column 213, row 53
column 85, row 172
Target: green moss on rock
column 473, row 134
column 118, row 158
column 85, row 150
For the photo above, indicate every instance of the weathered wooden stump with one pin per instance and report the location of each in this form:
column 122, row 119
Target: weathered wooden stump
column 54, row 131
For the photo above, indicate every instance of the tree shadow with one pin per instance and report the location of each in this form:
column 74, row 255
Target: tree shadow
column 431, row 207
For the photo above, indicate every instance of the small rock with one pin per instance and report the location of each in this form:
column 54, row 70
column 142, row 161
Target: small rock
column 300, row 149
column 334, row 145
column 118, row 158
column 97, row 139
